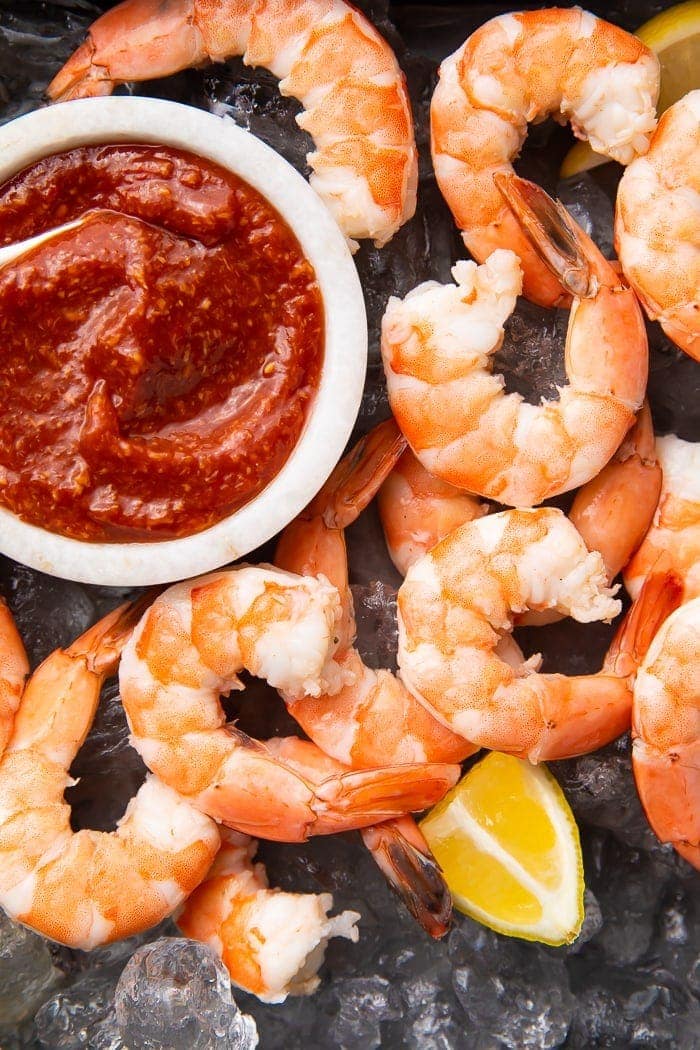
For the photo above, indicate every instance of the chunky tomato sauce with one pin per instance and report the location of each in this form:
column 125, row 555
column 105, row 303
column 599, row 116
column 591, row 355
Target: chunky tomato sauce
column 158, row 362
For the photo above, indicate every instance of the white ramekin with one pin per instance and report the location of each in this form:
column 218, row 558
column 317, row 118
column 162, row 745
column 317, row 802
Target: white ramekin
column 331, row 418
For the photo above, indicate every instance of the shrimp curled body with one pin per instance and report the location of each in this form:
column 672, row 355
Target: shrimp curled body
column 673, row 541
column 437, row 344
column 657, row 225
column 520, row 68
column 87, row 888
column 189, row 649
column 326, row 54
column 456, row 609
column 666, row 732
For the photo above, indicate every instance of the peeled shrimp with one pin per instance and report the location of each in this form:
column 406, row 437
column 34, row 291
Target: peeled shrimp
column 612, row 512
column 417, row 510
column 87, row 888
column 271, row 942
column 518, row 69
column 666, row 732
column 673, row 541
column 657, row 225
column 373, row 719
column 326, row 54
column 456, row 609
column 436, row 347
column 14, row 669
column 189, row 648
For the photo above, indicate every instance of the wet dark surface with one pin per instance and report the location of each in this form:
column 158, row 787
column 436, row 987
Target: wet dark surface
column 633, row 977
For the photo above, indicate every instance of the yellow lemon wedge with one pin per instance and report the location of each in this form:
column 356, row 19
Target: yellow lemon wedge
column 510, row 851
column 674, row 37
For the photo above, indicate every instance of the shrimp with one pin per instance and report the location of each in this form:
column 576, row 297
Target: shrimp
column 271, row 942
column 456, row 606
column 14, row 669
column 189, row 648
column 657, row 232
column 326, row 54
column 464, row 429
column 612, row 512
column 373, row 719
column 417, row 510
column 87, row 888
column 520, row 68
column 666, row 732
column 673, row 541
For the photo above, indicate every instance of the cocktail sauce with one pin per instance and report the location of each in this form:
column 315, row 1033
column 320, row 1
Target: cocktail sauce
column 157, row 363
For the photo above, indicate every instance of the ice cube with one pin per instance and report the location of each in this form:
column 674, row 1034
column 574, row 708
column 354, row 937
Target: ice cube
column 363, row 1004
column 81, row 1016
column 27, row 971
column 377, row 630
column 591, row 207
column 50, row 613
column 601, row 791
column 510, row 991
column 175, row 994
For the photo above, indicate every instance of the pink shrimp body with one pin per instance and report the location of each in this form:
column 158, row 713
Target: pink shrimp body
column 372, row 719
column 14, row 668
column 271, row 942
column 87, row 888
column 326, row 54
column 437, row 345
column 521, row 68
column 417, row 510
column 657, row 230
column 666, row 732
column 456, row 609
column 614, row 510
column 673, row 541
column 189, row 648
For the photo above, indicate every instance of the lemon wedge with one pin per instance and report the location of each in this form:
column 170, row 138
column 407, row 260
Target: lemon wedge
column 674, row 37
column 510, row 851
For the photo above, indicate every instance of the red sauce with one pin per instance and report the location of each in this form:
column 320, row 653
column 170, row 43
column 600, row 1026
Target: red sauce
column 158, row 362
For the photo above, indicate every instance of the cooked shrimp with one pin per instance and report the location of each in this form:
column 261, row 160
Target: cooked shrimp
column 14, row 669
column 417, row 510
column 673, row 541
column 271, row 942
column 666, row 732
column 189, row 648
column 326, row 54
column 456, row 606
column 521, row 68
column 436, row 347
column 373, row 720
column 657, row 225
column 87, row 888
column 613, row 511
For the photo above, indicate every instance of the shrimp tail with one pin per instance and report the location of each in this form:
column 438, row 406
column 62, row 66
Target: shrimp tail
column 359, row 475
column 101, row 645
column 371, row 796
column 661, row 594
column 412, row 872
column 556, row 238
